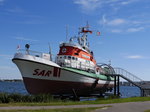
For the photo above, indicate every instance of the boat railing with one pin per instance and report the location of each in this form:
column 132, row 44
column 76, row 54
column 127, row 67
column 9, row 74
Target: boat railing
column 36, row 54
column 126, row 74
column 30, row 52
column 77, row 65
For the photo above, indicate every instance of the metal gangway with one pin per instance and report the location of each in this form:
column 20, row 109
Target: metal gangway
column 131, row 78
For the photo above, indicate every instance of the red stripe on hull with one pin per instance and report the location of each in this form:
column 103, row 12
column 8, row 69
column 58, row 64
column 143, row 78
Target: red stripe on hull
column 37, row 86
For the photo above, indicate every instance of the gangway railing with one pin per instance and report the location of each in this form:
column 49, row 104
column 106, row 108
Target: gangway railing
column 144, row 87
column 133, row 79
column 129, row 77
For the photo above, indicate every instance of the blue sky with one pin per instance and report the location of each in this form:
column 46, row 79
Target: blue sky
column 124, row 27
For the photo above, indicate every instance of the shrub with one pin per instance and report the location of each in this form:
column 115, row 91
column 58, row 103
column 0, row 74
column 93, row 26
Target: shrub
column 15, row 97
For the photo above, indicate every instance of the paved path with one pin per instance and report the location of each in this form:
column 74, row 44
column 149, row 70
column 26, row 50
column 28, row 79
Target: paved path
column 118, row 107
column 127, row 107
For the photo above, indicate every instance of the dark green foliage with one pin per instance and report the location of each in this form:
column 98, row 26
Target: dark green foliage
column 4, row 98
column 90, row 109
column 7, row 98
column 113, row 97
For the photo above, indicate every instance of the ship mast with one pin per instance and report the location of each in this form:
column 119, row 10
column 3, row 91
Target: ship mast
column 66, row 33
column 83, row 39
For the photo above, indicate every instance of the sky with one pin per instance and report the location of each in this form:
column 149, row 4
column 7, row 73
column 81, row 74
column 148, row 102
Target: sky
column 124, row 27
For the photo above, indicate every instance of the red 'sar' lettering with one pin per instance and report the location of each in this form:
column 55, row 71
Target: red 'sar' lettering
column 36, row 71
column 42, row 73
column 48, row 73
column 39, row 72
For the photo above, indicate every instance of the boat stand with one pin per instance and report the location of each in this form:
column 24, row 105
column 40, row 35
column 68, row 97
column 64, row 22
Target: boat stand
column 75, row 97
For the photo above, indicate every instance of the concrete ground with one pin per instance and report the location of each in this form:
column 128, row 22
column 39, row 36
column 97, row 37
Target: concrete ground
column 118, row 107
column 127, row 107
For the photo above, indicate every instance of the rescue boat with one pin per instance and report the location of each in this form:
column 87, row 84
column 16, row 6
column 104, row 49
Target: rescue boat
column 73, row 70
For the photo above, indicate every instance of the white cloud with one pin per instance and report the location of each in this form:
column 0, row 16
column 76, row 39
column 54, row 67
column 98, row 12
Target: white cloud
column 125, row 2
column 135, row 29
column 104, row 20
column 128, row 2
column 116, row 31
column 135, row 57
column 116, row 22
column 91, row 5
column 88, row 5
column 15, row 10
column 25, row 39
column 119, row 25
column 129, row 30
column 34, row 21
column 137, row 22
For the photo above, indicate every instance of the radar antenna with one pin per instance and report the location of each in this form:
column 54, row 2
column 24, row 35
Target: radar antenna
column 27, row 46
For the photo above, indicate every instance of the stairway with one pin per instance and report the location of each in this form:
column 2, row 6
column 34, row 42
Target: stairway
column 143, row 85
column 129, row 77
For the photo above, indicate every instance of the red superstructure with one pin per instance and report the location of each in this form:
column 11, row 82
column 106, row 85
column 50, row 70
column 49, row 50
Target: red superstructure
column 77, row 55
column 76, row 52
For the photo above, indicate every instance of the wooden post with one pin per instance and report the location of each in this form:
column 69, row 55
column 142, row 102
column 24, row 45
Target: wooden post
column 115, row 85
column 118, row 84
column 142, row 92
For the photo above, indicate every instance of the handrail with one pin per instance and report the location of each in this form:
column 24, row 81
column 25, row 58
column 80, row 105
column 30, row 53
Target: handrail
column 76, row 65
column 34, row 53
column 127, row 74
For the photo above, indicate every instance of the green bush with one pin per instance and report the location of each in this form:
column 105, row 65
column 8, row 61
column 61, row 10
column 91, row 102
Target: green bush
column 4, row 98
column 15, row 97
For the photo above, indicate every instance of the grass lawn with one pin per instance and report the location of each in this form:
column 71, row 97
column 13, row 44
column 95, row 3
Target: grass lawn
column 147, row 111
column 57, row 110
column 98, row 101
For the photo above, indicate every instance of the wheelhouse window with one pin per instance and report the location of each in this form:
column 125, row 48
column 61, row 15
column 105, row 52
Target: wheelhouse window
column 69, row 57
column 76, row 53
column 73, row 58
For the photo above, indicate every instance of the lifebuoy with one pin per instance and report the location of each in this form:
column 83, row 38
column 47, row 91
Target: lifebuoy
column 97, row 69
column 64, row 50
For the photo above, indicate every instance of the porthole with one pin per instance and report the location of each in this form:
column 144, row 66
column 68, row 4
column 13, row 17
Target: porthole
column 69, row 57
column 63, row 50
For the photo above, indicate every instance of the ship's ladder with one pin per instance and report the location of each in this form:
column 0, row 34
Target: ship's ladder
column 129, row 77
column 133, row 79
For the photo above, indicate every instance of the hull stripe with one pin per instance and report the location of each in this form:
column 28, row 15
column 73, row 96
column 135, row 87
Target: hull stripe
column 56, row 72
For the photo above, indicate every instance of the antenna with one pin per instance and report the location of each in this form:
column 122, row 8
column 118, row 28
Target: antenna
column 27, row 46
column 87, row 24
column 50, row 52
